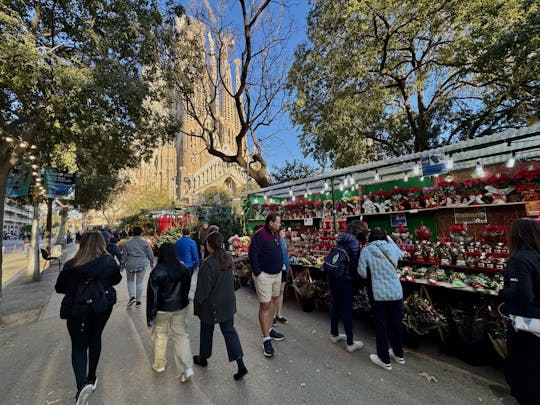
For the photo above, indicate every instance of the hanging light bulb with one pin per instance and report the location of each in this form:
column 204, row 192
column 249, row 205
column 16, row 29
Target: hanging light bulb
column 265, row 197
column 32, row 157
column 33, row 147
column 405, row 177
column 376, row 177
column 326, row 185
column 479, row 170
column 422, row 178
column 416, row 169
column 511, row 161
column 9, row 139
column 346, row 181
column 294, row 198
column 341, row 187
column 449, row 163
column 290, row 191
column 352, row 180
column 23, row 144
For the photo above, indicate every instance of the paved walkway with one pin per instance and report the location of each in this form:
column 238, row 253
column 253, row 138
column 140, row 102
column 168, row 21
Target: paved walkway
column 35, row 364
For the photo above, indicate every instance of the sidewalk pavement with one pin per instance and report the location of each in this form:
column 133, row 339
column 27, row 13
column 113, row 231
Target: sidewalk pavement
column 35, row 366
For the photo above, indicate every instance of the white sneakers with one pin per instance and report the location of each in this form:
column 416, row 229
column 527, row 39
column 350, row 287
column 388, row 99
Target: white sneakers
column 186, row 375
column 388, row 367
column 399, row 360
column 339, row 338
column 376, row 360
column 83, row 395
column 159, row 366
column 357, row 345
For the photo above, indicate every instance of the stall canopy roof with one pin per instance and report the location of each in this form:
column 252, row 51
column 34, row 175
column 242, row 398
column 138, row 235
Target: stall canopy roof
column 522, row 144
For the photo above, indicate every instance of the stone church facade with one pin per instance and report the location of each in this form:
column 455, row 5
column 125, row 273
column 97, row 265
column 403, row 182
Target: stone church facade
column 183, row 169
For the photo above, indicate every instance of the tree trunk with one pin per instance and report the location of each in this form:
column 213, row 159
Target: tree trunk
column 32, row 268
column 62, row 230
column 5, row 167
column 48, row 226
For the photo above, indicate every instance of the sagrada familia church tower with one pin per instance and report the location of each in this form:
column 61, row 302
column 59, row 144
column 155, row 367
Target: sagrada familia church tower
column 184, row 168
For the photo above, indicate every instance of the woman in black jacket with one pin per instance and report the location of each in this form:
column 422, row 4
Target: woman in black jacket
column 90, row 273
column 167, row 310
column 521, row 296
column 215, row 302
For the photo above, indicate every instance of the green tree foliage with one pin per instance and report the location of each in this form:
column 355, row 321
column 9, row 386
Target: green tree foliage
column 410, row 75
column 292, row 170
column 215, row 196
column 86, row 75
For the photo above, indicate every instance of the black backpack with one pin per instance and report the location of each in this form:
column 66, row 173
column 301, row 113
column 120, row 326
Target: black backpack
column 336, row 263
column 92, row 298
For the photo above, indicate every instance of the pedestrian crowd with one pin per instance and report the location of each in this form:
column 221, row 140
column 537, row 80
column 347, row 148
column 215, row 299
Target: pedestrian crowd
column 88, row 279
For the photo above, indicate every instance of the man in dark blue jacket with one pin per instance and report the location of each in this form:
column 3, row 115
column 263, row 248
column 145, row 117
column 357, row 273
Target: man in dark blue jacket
column 266, row 260
column 186, row 251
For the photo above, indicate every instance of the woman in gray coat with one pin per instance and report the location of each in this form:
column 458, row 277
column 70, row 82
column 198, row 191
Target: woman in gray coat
column 215, row 302
column 137, row 257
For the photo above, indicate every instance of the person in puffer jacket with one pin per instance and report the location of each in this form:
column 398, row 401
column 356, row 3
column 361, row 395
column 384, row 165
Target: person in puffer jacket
column 381, row 255
column 342, row 290
column 167, row 310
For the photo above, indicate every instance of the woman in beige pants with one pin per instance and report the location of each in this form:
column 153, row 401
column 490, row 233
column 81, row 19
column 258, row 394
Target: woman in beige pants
column 167, row 309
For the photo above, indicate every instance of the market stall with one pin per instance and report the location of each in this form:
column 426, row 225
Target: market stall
column 449, row 209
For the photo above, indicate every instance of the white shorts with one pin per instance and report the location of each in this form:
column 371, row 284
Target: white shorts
column 267, row 286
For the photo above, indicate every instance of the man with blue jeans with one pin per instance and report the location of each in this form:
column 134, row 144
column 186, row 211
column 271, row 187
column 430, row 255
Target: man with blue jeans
column 186, row 251
column 266, row 260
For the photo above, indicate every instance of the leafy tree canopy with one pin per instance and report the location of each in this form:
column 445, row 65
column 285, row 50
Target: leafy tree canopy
column 292, row 170
column 410, row 75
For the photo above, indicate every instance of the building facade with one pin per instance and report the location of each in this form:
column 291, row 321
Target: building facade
column 184, row 169
column 15, row 218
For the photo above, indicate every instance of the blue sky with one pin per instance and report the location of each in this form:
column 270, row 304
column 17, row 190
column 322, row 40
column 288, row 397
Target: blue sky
column 283, row 145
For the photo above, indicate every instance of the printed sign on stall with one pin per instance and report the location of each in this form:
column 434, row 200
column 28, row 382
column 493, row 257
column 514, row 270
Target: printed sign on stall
column 398, row 219
column 473, row 215
column 433, row 164
column 19, row 181
column 59, row 185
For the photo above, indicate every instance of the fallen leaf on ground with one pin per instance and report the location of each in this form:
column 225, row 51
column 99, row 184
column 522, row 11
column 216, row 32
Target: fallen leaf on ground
column 429, row 378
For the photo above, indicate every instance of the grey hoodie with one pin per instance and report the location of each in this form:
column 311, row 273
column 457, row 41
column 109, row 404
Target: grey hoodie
column 137, row 254
column 384, row 277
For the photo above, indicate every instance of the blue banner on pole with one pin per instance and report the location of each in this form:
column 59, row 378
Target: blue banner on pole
column 433, row 164
column 59, row 185
column 19, row 181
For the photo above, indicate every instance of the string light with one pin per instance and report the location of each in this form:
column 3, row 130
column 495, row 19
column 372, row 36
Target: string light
column 416, row 169
column 422, row 178
column 293, row 198
column 290, row 191
column 346, row 181
column 9, row 139
column 33, row 147
column 341, row 187
column 449, row 162
column 23, row 144
column 376, row 177
column 406, row 177
column 479, row 170
column 511, row 161
column 326, row 185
